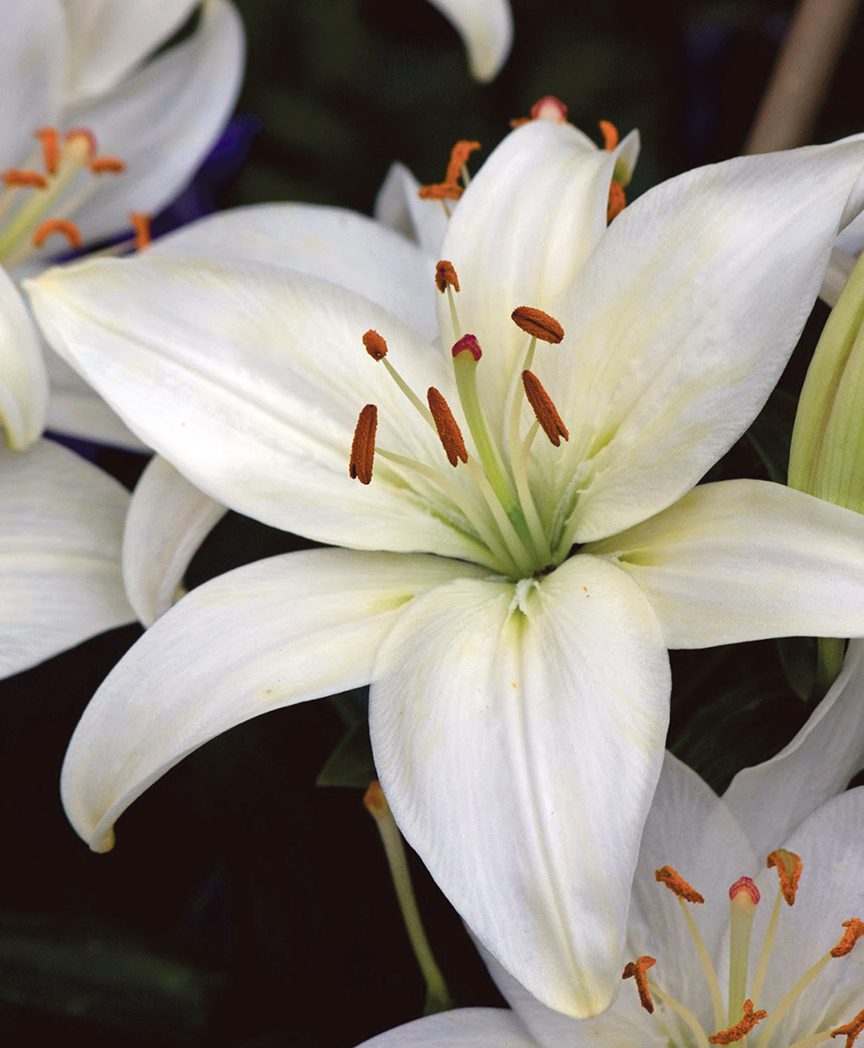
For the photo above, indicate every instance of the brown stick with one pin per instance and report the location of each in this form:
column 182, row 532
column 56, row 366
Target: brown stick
column 801, row 75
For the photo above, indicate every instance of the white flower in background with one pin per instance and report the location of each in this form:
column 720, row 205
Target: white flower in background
column 702, row 970
column 513, row 612
column 486, row 28
column 90, row 132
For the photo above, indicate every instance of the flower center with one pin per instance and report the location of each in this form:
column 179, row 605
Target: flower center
column 38, row 200
column 490, row 500
column 739, row 1017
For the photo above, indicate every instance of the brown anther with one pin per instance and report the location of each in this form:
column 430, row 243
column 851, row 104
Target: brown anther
column 374, row 800
column 636, row 970
column 617, row 200
column 50, row 150
column 851, row 1030
column 445, row 276
column 745, row 886
column 57, row 225
column 111, row 165
column 468, row 344
column 81, row 134
column 363, row 445
column 676, row 883
column 30, row 179
column 449, row 432
column 375, row 345
column 788, row 866
column 450, row 188
column 141, row 224
column 741, row 1028
column 854, row 931
column 538, row 324
column 546, row 412
column 610, row 135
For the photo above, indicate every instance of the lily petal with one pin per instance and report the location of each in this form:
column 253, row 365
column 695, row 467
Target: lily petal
column 168, row 520
column 484, row 696
column 772, row 799
column 486, row 27
column 746, row 559
column 60, row 526
column 684, row 318
column 462, row 1028
column 23, row 380
column 266, row 635
column 399, row 207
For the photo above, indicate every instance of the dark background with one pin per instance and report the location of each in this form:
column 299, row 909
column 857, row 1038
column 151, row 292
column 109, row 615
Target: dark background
column 243, row 905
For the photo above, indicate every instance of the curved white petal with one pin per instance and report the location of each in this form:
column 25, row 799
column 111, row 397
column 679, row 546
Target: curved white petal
column 162, row 120
column 518, row 732
column 486, row 27
column 23, row 380
column 168, row 520
column 106, row 39
column 266, row 635
column 746, row 559
column 840, row 265
column 683, row 320
column 771, row 799
column 399, row 207
column 60, row 526
column 462, row 1028
column 250, row 379
column 341, row 246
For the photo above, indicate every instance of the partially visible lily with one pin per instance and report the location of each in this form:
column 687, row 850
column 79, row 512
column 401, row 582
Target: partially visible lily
column 91, row 132
column 486, row 28
column 523, row 543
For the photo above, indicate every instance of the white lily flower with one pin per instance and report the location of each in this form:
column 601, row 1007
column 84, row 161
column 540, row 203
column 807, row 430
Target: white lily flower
column 89, row 132
column 486, row 28
column 513, row 613
column 767, row 936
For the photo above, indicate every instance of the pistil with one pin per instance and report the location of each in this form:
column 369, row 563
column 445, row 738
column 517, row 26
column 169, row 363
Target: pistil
column 743, row 900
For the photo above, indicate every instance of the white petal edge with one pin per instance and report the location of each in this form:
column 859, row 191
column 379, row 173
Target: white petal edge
column 399, row 207
column 270, row 634
column 168, row 520
column 23, row 379
column 461, row 1028
column 519, row 750
column 486, row 28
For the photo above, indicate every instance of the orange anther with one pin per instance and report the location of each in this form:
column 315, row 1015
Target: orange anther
column 617, row 200
column 610, row 135
column 854, row 931
column 141, row 224
column 445, row 275
column 112, row 165
column 448, row 429
column 788, row 866
column 851, row 1030
column 636, row 970
column 57, row 225
column 50, row 150
column 450, row 189
column 538, row 324
column 31, row 179
column 363, row 445
column 741, row 1028
column 676, row 883
column 375, row 345
column 544, row 409
column 374, row 800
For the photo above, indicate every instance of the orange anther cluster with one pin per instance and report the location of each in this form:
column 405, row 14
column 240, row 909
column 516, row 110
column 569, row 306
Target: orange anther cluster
column 363, row 445
column 450, row 188
column 636, row 970
column 57, row 225
column 546, row 412
column 610, row 135
column 31, row 179
column 538, row 324
column 617, row 200
column 112, row 165
column 374, row 800
column 50, row 149
column 851, row 1030
column 141, row 225
column 375, row 345
column 740, row 1029
column 676, row 883
column 448, row 428
column 854, row 931
column 445, row 275
column 788, row 866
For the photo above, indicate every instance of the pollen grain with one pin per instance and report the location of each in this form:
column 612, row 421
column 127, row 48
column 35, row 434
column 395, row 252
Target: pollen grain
column 448, row 429
column 546, row 412
column 676, row 883
column 363, row 445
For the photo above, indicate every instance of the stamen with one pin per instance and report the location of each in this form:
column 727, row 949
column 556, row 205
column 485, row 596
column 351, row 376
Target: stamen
column 741, row 1028
column 538, row 324
column 448, row 428
column 636, row 970
column 854, row 931
column 107, row 164
column 546, row 412
column 31, row 179
column 50, row 150
column 375, row 345
column 676, row 883
column 57, row 225
column 450, row 189
column 363, row 445
column 445, row 276
column 617, row 200
column 851, row 1030
column 141, row 225
column 610, row 135
column 788, row 866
